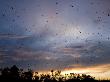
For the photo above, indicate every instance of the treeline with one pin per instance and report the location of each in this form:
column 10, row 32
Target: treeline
column 15, row 74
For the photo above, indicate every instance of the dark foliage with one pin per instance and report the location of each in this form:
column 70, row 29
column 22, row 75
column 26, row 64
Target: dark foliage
column 16, row 74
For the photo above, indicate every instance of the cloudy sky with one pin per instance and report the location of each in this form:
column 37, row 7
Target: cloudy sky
column 68, row 35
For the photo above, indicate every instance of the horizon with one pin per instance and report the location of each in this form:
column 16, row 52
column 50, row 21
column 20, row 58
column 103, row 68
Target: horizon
column 99, row 75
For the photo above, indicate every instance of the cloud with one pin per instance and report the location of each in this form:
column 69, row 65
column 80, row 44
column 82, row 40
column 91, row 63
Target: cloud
column 73, row 56
column 3, row 56
column 13, row 36
column 84, row 54
column 27, row 55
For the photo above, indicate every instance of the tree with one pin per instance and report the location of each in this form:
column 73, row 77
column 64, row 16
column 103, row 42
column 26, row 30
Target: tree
column 28, row 75
column 5, row 73
column 52, row 72
column 14, row 72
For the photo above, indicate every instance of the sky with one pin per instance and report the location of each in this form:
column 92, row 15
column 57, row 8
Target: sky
column 67, row 35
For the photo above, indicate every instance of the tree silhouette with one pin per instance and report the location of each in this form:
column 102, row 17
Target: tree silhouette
column 14, row 74
column 52, row 72
column 28, row 75
column 5, row 74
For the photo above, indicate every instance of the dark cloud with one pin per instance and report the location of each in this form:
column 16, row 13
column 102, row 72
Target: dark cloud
column 87, row 55
column 9, row 36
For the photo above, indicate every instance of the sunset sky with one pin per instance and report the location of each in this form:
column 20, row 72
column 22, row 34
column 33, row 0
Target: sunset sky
column 67, row 35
